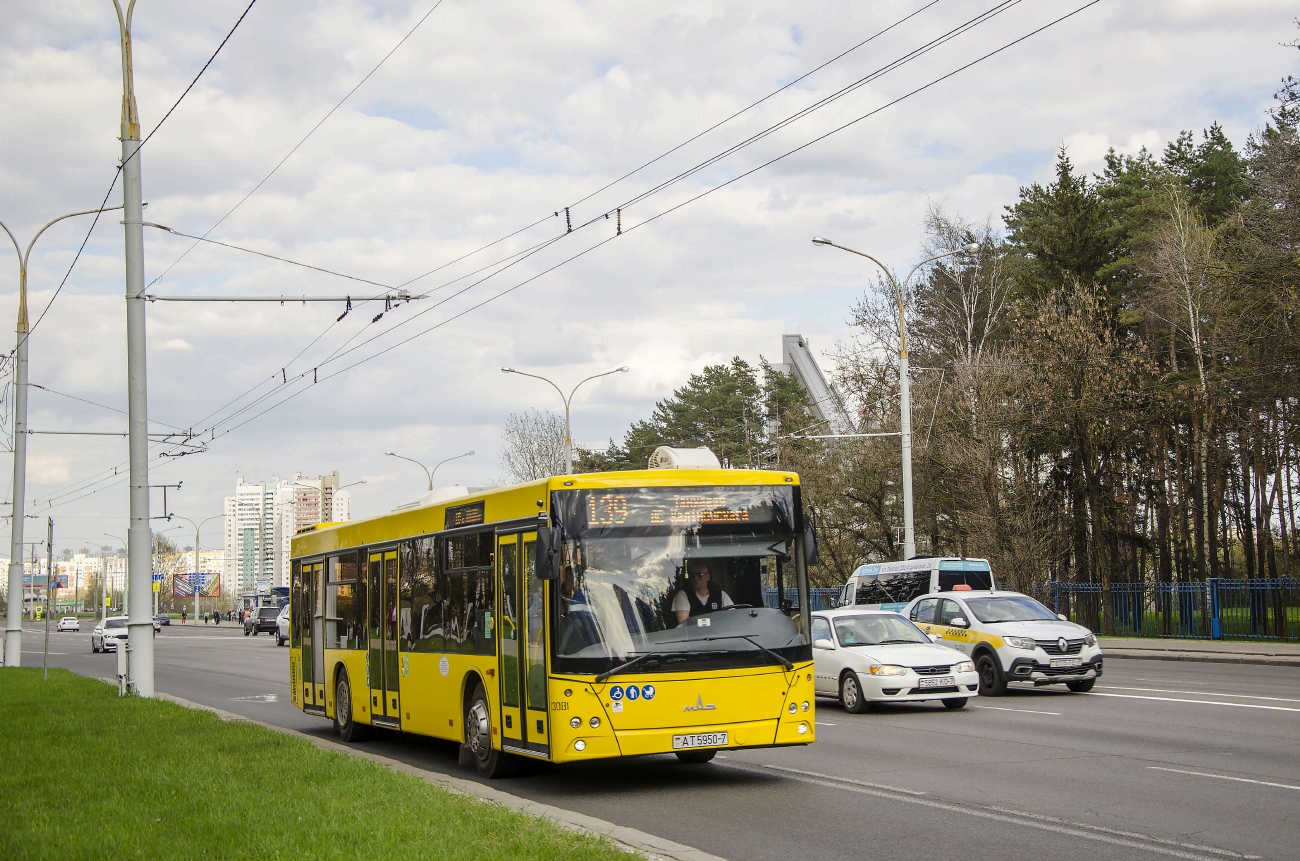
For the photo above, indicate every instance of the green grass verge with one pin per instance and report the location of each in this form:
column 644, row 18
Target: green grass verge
column 89, row 775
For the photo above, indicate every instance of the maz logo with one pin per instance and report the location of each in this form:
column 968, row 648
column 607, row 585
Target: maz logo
column 700, row 706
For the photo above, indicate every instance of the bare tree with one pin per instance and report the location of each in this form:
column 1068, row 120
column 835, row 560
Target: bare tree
column 1181, row 258
column 534, row 445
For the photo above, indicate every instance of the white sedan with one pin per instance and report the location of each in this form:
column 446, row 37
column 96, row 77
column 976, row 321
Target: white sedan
column 69, row 623
column 107, row 633
column 865, row 657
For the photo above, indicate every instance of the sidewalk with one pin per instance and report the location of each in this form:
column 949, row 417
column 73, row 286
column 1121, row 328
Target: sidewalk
column 1211, row 651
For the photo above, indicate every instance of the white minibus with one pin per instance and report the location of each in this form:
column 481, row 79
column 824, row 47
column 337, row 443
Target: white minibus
column 892, row 585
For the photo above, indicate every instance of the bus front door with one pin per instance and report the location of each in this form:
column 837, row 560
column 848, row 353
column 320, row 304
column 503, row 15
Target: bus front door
column 521, row 647
column 382, row 665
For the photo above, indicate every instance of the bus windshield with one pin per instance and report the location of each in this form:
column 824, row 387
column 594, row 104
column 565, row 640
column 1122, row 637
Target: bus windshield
column 676, row 578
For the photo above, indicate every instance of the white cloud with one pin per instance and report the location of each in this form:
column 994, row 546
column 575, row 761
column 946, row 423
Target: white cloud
column 494, row 116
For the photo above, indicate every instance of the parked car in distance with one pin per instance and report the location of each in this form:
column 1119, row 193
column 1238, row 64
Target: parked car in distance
column 69, row 623
column 262, row 620
column 1011, row 638
column 282, row 626
column 865, row 657
column 163, row 619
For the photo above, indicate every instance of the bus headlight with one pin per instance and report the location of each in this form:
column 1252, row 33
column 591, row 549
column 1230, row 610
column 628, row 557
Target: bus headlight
column 803, row 729
column 964, row 667
column 888, row 670
column 1026, row 643
column 595, row 722
column 793, row 708
column 576, row 722
column 805, row 705
column 579, row 745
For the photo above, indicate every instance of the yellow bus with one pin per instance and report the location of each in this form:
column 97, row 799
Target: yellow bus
column 546, row 620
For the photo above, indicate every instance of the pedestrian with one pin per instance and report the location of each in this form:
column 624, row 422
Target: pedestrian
column 182, row 616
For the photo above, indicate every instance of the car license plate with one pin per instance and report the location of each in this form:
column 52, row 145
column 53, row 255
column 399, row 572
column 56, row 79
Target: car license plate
column 700, row 739
column 937, row 682
column 1067, row 662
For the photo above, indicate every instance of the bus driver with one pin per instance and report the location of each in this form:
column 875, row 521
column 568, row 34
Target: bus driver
column 702, row 596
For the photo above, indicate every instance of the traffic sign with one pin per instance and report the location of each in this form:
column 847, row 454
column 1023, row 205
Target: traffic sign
column 157, row 578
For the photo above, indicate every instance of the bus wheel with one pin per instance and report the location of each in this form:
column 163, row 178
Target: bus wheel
column 851, row 695
column 992, row 682
column 489, row 762
column 696, row 757
column 347, row 728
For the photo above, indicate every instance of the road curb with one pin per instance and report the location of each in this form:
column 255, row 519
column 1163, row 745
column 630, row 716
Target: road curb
column 1220, row 658
column 629, row 839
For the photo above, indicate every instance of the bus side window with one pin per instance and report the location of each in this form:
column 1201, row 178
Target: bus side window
column 923, row 612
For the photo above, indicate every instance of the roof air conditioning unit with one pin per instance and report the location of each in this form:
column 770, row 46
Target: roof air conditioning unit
column 666, row 457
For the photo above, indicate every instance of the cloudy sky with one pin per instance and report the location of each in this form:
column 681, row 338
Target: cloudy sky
column 442, row 172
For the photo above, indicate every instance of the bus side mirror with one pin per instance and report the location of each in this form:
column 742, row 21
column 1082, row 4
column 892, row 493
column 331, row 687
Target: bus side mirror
column 548, row 556
column 810, row 554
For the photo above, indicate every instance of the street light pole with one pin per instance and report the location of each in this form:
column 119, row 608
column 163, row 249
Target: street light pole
column 103, row 614
column 197, row 527
column 428, row 472
column 904, row 384
column 568, row 435
column 13, row 624
column 139, row 581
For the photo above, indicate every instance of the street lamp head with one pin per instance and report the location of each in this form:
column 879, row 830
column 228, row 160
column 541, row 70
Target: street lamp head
column 972, row 248
column 509, row 371
column 624, row 369
column 819, row 240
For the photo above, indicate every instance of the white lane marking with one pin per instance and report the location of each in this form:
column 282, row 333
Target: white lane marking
column 1195, row 702
column 880, row 786
column 1226, row 777
column 1203, row 693
column 1026, row 711
column 824, row 723
column 259, row 698
column 1112, row 836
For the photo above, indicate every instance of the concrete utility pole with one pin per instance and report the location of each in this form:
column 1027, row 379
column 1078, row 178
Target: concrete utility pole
column 13, row 623
column 904, row 382
column 139, row 536
column 50, row 589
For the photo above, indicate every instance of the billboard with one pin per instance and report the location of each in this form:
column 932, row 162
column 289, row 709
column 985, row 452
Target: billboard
column 209, row 585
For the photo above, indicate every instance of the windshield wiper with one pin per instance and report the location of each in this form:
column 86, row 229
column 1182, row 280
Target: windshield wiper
column 637, row 661
column 893, row 642
column 766, row 651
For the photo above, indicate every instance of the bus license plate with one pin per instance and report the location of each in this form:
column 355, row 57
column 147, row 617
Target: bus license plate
column 1067, row 662
column 938, row 682
column 700, row 739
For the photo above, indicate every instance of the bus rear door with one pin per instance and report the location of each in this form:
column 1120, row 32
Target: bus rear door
column 382, row 667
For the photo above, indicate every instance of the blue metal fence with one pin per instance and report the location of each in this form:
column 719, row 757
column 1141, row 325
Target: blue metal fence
column 1214, row 609
column 821, row 599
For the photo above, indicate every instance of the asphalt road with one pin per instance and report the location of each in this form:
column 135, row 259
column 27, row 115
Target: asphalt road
column 1163, row 759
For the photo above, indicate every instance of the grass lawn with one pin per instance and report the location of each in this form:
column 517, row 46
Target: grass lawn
column 88, row 775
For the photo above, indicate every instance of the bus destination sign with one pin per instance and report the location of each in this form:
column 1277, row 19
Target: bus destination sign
column 674, row 509
column 465, row 515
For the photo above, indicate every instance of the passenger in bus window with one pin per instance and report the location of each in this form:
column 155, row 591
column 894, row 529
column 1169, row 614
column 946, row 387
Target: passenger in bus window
column 699, row 596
